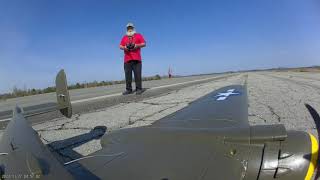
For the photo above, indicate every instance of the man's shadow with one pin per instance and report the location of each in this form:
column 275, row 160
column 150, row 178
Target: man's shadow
column 63, row 151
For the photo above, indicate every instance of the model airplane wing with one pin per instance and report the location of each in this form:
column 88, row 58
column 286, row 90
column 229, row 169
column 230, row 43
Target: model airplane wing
column 209, row 139
column 225, row 107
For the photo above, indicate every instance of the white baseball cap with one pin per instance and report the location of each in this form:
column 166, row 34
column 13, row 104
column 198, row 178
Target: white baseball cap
column 130, row 25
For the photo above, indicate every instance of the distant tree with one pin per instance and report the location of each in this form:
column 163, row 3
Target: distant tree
column 15, row 90
column 157, row 77
column 78, row 86
column 33, row 91
column 49, row 90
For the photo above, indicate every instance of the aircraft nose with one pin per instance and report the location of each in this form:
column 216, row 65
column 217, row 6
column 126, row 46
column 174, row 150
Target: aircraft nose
column 296, row 158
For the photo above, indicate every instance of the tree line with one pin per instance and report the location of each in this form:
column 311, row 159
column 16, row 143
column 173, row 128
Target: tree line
column 16, row 92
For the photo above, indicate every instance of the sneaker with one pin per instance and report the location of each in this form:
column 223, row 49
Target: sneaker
column 127, row 92
column 139, row 91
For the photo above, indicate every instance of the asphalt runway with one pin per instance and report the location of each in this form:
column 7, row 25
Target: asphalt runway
column 80, row 94
column 284, row 98
column 90, row 99
column 288, row 98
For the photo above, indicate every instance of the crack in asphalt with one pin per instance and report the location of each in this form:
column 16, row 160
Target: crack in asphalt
column 274, row 113
column 62, row 126
column 41, row 137
column 150, row 115
column 271, row 110
column 258, row 116
column 162, row 103
column 257, row 99
column 174, row 104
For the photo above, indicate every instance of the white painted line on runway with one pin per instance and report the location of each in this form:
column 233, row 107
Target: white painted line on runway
column 182, row 83
column 96, row 98
column 153, row 88
column 120, row 94
column 3, row 120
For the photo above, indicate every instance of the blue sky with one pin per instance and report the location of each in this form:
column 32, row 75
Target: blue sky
column 38, row 37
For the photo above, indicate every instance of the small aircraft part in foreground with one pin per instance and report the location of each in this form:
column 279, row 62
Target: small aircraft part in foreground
column 209, row 139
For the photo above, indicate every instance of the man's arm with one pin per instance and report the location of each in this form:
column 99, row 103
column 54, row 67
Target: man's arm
column 123, row 47
column 141, row 45
column 141, row 42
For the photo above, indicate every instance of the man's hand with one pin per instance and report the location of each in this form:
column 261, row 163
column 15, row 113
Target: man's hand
column 124, row 48
column 136, row 46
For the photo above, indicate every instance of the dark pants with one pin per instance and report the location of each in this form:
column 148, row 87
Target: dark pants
column 136, row 67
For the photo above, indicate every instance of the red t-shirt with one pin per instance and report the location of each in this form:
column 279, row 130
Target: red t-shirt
column 135, row 54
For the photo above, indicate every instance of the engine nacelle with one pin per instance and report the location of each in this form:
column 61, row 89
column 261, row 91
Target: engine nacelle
column 293, row 158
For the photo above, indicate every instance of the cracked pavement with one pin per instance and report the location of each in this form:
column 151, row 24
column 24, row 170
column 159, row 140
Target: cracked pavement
column 281, row 98
column 274, row 97
column 123, row 115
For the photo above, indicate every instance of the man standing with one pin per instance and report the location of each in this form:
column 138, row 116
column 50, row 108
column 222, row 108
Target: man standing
column 131, row 44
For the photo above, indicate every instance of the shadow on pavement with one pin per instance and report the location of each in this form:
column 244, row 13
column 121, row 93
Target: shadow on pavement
column 63, row 150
